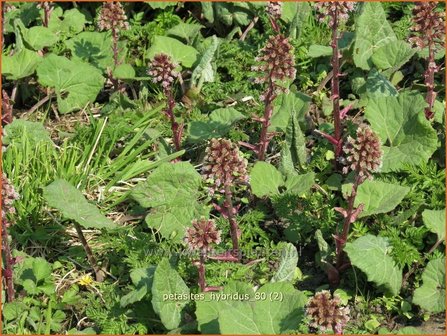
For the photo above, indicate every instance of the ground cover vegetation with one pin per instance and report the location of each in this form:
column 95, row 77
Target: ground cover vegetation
column 227, row 167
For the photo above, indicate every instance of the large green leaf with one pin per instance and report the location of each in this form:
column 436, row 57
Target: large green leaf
column 371, row 255
column 178, row 51
column 287, row 264
column 20, row 65
column 168, row 282
column 185, row 31
column 286, row 106
column 379, row 197
column 265, row 179
column 407, row 135
column 378, row 86
column 434, row 220
column 293, row 151
column 281, row 311
column 372, row 31
column 72, row 204
column 218, row 124
column 299, row 184
column 38, row 37
column 204, row 72
column 171, row 192
column 76, row 83
column 70, row 23
column 142, row 278
column 431, row 295
column 392, row 55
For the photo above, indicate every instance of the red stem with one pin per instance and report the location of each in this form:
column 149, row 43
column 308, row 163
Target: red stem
column 264, row 138
column 430, row 80
column 202, row 282
column 335, row 84
column 9, row 261
column 234, row 228
column 177, row 129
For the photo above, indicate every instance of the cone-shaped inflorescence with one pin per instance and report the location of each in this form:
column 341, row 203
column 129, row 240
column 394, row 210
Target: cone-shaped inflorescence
column 226, row 169
column 224, row 165
column 202, row 234
column 334, row 11
column 9, row 195
column 364, row 153
column 429, row 32
column 162, row 70
column 326, row 312
column 276, row 64
column 112, row 17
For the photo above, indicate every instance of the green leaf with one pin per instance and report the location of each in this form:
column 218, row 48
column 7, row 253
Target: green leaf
column 76, row 84
column 32, row 131
column 287, row 264
column 392, row 55
column 407, row 135
column 20, row 65
column 178, row 51
column 207, row 310
column 379, row 197
column 316, row 50
column 13, row 310
column 434, row 220
column 265, row 179
column 133, row 296
column 372, row 31
column 299, row 184
column 218, row 125
column 293, row 152
column 286, row 106
column 161, row 4
column 168, row 282
column 41, row 269
column 378, row 86
column 94, row 48
column 71, row 23
column 38, row 37
column 431, row 295
column 280, row 312
column 124, row 71
column 371, row 255
column 142, row 278
column 185, row 31
column 204, row 72
column 171, row 191
column 72, row 204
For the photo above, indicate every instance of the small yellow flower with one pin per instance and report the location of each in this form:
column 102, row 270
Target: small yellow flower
column 86, row 280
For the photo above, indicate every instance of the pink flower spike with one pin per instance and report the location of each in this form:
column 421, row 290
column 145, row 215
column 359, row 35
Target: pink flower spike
column 356, row 213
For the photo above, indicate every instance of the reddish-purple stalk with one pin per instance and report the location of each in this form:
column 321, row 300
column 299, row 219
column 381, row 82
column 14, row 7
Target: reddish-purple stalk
column 116, row 61
column 234, row 228
column 265, row 136
column 177, row 129
column 46, row 13
column 429, row 75
column 6, row 108
column 9, row 262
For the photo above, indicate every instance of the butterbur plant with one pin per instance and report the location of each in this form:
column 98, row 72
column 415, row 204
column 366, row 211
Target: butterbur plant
column 226, row 170
column 200, row 237
column 276, row 65
column 9, row 195
column 162, row 70
column 335, row 12
column 326, row 312
column 363, row 157
column 429, row 32
column 113, row 18
column 47, row 10
column 7, row 108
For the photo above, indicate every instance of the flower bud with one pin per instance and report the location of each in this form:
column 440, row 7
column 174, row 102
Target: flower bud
column 112, row 17
column 202, row 234
column 162, row 70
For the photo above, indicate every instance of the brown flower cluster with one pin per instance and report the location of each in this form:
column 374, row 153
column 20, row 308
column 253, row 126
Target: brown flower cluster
column 202, row 234
column 224, row 164
column 326, row 312
column 162, row 70
column 334, row 9
column 112, row 17
column 276, row 59
column 364, row 154
column 274, row 9
column 429, row 24
column 9, row 195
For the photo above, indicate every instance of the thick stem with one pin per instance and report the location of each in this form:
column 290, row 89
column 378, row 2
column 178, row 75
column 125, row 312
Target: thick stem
column 47, row 12
column 9, row 261
column 202, row 282
column 177, row 129
column 335, row 84
column 341, row 239
column 234, row 228
column 264, row 138
column 90, row 257
column 430, row 81
column 116, row 61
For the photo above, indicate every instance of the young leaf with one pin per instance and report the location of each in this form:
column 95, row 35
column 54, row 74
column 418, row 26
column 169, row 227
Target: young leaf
column 287, row 264
column 299, row 184
column 72, row 204
column 293, row 152
column 379, row 197
column 372, row 31
column 434, row 220
column 371, row 255
column 204, row 72
column 75, row 83
column 431, row 295
column 265, row 179
column 168, row 282
column 20, row 65
column 407, row 135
